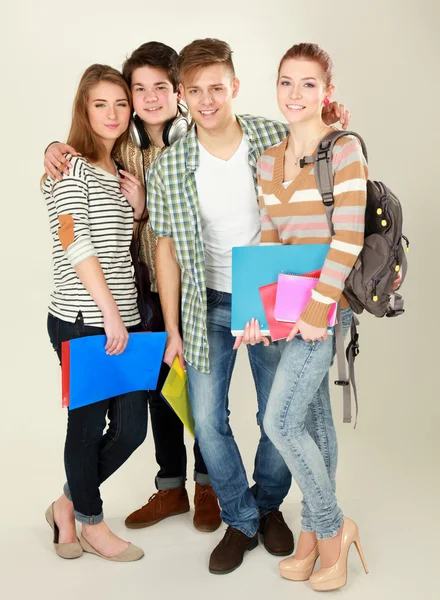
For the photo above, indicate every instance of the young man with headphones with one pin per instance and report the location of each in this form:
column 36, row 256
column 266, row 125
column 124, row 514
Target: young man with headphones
column 160, row 118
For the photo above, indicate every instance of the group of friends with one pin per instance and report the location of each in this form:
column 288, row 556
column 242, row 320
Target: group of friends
column 157, row 155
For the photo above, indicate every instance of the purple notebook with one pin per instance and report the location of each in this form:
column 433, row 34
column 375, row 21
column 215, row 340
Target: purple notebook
column 293, row 295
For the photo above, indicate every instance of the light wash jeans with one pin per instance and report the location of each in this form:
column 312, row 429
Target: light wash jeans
column 241, row 506
column 299, row 422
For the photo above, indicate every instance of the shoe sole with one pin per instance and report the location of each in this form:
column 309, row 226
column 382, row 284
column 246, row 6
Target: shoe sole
column 250, row 547
column 304, row 576
column 283, row 553
column 329, row 586
column 151, row 523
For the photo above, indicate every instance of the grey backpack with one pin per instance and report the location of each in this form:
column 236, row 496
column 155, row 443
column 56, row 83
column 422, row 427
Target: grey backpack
column 369, row 285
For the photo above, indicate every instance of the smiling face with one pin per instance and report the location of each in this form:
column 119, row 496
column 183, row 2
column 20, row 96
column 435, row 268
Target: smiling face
column 301, row 90
column 209, row 92
column 108, row 110
column 153, row 97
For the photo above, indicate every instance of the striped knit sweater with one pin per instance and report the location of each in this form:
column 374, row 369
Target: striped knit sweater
column 295, row 214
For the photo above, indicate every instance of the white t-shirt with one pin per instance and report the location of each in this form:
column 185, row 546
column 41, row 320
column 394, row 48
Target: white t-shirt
column 229, row 211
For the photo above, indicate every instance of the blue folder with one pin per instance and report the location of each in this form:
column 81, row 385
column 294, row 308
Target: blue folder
column 254, row 266
column 96, row 376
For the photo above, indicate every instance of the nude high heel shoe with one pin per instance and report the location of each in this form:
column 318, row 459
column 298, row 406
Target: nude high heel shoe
column 299, row 570
column 66, row 550
column 335, row 577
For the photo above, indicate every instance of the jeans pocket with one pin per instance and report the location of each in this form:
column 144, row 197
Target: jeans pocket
column 213, row 297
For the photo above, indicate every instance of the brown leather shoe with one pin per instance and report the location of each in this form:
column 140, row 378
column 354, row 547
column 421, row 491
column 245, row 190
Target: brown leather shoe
column 278, row 539
column 163, row 504
column 228, row 555
column 206, row 509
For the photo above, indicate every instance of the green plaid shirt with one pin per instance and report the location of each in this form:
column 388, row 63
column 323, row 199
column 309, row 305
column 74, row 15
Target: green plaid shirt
column 174, row 211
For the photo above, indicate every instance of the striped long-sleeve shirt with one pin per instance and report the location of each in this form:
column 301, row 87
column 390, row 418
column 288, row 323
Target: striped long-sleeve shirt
column 89, row 216
column 293, row 213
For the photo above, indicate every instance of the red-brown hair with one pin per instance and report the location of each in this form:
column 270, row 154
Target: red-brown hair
column 81, row 135
column 314, row 53
column 204, row 53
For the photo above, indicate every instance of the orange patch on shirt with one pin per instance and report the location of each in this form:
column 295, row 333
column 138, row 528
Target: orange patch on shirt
column 66, row 231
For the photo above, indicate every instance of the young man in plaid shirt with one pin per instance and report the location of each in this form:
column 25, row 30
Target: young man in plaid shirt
column 202, row 201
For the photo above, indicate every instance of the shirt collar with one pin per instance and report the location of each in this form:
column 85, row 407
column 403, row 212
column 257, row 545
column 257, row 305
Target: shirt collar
column 192, row 161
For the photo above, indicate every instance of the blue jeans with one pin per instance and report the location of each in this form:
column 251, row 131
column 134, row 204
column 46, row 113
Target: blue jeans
column 241, row 506
column 94, row 451
column 299, row 422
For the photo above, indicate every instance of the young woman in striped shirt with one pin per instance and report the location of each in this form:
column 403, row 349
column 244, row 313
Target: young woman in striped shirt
column 91, row 220
column 298, row 417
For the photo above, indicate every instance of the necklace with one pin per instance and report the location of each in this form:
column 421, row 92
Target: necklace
column 297, row 158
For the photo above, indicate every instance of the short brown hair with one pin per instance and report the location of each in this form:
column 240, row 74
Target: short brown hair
column 311, row 52
column 204, row 53
column 156, row 55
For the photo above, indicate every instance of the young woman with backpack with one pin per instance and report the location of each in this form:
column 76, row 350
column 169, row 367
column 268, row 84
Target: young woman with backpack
column 298, row 418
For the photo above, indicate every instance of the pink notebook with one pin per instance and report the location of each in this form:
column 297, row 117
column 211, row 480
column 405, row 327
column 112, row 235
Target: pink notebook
column 293, row 295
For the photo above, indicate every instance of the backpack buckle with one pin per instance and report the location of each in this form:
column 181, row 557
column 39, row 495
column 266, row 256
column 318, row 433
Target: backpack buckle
column 323, row 154
column 342, row 382
column 327, row 198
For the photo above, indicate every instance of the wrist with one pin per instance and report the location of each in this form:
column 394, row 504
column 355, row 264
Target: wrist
column 49, row 145
column 110, row 310
column 174, row 330
column 140, row 213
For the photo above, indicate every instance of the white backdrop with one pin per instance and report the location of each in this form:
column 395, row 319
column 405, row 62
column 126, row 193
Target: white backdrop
column 386, row 56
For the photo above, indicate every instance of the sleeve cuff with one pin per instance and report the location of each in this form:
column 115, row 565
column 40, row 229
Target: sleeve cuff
column 80, row 251
column 316, row 313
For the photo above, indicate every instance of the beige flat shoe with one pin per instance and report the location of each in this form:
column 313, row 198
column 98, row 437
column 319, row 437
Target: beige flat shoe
column 130, row 554
column 66, row 550
column 299, row 570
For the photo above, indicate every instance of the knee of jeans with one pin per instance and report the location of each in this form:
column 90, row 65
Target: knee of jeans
column 133, row 437
column 271, row 426
column 280, row 428
column 208, row 423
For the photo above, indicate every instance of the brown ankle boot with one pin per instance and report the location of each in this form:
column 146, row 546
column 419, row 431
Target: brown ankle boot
column 163, row 504
column 206, row 509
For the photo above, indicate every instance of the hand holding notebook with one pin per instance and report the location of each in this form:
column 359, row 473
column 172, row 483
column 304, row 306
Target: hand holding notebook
column 280, row 329
column 293, row 295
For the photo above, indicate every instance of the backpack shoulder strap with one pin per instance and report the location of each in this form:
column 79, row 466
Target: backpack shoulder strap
column 324, row 168
column 347, row 381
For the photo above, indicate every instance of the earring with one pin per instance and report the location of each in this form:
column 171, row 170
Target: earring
column 327, row 101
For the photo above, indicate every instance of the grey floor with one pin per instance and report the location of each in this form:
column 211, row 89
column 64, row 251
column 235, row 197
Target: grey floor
column 387, row 482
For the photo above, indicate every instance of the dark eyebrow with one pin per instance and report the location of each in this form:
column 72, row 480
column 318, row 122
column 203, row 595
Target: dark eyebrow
column 102, row 100
column 193, row 87
column 303, row 79
column 156, row 83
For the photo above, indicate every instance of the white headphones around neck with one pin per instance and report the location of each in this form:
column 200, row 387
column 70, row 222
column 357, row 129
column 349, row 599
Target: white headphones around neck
column 173, row 130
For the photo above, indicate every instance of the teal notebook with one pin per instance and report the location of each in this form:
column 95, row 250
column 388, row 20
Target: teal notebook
column 255, row 266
